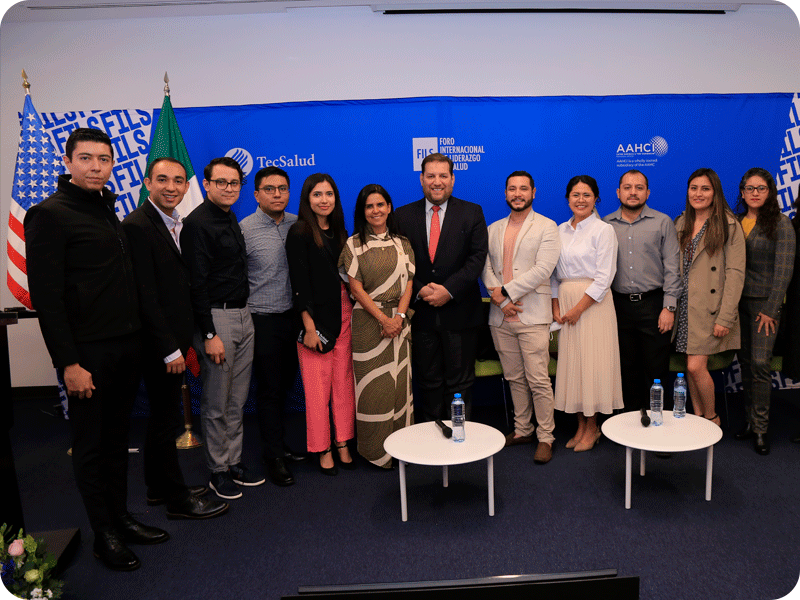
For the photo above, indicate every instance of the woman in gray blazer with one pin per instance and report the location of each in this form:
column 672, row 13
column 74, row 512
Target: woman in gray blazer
column 770, row 243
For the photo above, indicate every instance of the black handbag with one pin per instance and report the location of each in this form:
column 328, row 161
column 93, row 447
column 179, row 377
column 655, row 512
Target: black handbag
column 328, row 341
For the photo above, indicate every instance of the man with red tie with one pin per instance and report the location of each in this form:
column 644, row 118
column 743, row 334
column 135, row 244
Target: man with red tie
column 450, row 244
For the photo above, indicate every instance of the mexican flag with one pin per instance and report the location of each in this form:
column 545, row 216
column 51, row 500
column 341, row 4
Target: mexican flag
column 168, row 141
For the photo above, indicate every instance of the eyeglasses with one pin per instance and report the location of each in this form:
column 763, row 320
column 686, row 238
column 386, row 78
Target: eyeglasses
column 235, row 185
column 271, row 189
column 750, row 189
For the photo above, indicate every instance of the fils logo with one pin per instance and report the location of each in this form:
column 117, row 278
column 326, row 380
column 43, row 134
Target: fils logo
column 421, row 148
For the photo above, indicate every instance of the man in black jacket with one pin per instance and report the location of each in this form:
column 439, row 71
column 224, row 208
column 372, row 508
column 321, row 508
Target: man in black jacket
column 83, row 288
column 166, row 312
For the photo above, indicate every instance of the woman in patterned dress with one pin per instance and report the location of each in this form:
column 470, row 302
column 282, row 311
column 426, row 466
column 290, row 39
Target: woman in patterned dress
column 712, row 271
column 380, row 265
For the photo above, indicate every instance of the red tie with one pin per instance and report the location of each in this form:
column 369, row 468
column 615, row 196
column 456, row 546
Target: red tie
column 434, row 239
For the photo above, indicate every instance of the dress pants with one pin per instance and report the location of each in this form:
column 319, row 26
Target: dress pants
column 275, row 370
column 329, row 387
column 162, row 471
column 643, row 349
column 100, row 426
column 755, row 358
column 524, row 352
column 225, row 387
column 444, row 364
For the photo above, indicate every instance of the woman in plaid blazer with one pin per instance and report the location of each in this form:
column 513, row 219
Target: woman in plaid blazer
column 770, row 245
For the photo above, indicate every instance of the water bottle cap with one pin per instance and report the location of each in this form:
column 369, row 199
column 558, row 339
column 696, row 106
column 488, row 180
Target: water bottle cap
column 656, row 381
column 680, row 375
column 457, row 396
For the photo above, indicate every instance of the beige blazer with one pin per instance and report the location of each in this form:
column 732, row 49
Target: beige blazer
column 715, row 286
column 536, row 252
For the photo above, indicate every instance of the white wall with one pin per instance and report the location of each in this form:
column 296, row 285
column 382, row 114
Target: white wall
column 352, row 53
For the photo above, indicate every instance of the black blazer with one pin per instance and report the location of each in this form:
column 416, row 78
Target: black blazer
column 316, row 284
column 162, row 277
column 460, row 258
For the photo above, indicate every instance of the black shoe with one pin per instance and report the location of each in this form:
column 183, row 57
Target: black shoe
column 331, row 471
column 288, row 454
column 157, row 499
column 745, row 433
column 278, row 473
column 761, row 444
column 241, row 475
column 348, row 466
column 133, row 532
column 108, row 547
column 223, row 485
column 195, row 507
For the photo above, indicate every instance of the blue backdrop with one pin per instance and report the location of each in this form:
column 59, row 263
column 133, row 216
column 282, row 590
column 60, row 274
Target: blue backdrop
column 383, row 141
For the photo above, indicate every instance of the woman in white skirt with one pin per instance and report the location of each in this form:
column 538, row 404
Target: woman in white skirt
column 588, row 375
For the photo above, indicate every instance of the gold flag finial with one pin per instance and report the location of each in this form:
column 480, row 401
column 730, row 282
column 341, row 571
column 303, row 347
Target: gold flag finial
column 25, row 83
column 166, row 84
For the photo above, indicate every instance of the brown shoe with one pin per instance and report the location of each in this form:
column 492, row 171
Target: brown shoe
column 512, row 440
column 544, row 452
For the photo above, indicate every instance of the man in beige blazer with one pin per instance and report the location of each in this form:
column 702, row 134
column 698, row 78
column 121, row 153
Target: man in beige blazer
column 523, row 251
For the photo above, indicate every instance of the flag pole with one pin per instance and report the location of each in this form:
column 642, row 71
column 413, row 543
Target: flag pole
column 166, row 84
column 25, row 83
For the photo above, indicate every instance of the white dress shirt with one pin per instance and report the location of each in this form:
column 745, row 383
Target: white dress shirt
column 587, row 251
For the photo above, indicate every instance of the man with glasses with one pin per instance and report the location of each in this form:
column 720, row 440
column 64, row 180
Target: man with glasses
column 275, row 360
column 646, row 288
column 214, row 247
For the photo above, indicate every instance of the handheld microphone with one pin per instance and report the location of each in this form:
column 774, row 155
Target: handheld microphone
column 645, row 418
column 446, row 431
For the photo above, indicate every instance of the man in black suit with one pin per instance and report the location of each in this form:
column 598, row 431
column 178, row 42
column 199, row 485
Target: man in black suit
column 166, row 312
column 450, row 244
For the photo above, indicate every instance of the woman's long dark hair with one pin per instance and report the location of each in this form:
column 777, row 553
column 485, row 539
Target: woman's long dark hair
column 360, row 225
column 309, row 218
column 716, row 234
column 770, row 212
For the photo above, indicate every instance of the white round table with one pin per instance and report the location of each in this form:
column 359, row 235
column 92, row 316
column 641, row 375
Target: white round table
column 424, row 444
column 675, row 435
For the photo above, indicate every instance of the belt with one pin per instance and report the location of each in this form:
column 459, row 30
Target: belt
column 639, row 296
column 231, row 304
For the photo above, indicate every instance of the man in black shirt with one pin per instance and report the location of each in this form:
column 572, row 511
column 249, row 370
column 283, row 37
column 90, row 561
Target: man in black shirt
column 83, row 289
column 213, row 245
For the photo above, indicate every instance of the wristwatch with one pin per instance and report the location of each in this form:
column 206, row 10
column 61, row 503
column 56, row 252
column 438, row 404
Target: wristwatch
column 504, row 292
column 210, row 335
column 671, row 309
column 402, row 315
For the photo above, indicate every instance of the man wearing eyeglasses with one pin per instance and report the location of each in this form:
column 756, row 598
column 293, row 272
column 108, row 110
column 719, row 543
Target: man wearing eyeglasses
column 275, row 360
column 224, row 340
column 646, row 288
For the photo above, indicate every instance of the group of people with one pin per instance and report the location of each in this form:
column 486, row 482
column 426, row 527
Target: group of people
column 359, row 314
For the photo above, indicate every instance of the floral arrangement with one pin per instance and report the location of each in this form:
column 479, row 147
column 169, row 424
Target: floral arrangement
column 27, row 566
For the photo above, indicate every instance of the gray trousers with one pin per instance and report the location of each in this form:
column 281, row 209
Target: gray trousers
column 225, row 387
column 755, row 358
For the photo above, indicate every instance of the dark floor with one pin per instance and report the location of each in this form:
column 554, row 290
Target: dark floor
column 568, row 515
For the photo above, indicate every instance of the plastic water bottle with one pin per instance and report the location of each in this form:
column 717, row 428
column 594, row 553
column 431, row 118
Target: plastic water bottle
column 457, row 418
column 679, row 397
column 656, row 403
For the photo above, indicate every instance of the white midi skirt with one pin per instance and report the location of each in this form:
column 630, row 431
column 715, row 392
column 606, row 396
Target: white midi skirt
column 588, row 375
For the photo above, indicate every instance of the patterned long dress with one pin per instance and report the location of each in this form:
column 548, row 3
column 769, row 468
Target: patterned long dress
column 382, row 366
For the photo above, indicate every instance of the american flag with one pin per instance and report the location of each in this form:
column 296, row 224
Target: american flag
column 35, row 178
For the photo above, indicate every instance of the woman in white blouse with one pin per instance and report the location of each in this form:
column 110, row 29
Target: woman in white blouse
column 588, row 375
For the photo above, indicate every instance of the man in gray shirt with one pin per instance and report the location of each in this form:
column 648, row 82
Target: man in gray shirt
column 275, row 360
column 645, row 288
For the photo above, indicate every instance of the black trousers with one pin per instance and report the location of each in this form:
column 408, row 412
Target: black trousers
column 444, row 364
column 643, row 350
column 162, row 471
column 100, row 427
column 275, row 370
